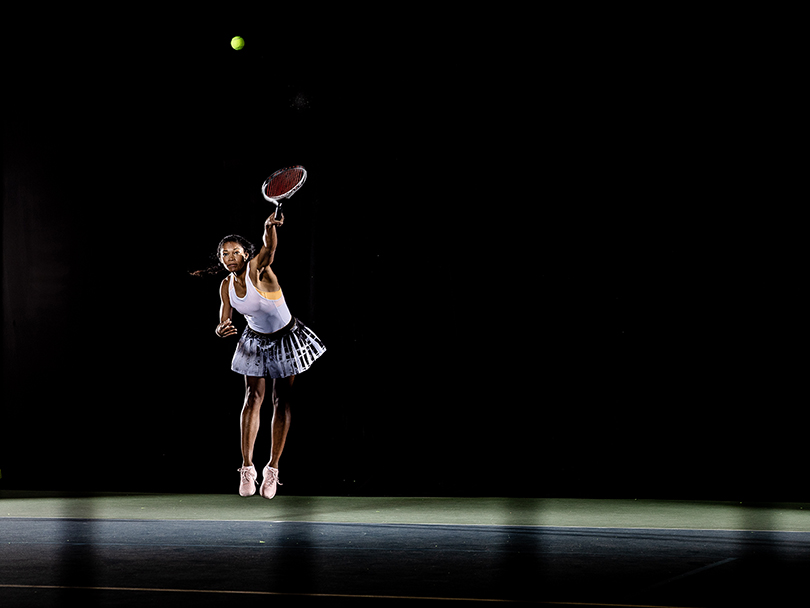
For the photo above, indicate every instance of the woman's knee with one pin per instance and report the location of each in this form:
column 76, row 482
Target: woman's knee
column 254, row 394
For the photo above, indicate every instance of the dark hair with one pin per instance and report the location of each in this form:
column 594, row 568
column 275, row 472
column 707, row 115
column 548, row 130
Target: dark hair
column 216, row 268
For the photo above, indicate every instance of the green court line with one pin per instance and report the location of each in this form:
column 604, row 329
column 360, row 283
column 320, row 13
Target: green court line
column 607, row 513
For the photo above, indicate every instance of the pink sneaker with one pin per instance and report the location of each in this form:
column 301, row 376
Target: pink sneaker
column 247, row 487
column 268, row 489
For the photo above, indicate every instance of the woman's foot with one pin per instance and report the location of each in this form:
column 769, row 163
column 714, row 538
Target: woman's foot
column 247, row 487
column 269, row 483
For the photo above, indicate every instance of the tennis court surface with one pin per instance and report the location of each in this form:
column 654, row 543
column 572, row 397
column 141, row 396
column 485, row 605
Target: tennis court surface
column 216, row 550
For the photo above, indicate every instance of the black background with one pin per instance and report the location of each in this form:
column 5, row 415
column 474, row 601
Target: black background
column 516, row 243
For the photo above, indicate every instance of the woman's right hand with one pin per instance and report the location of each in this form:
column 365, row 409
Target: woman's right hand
column 226, row 329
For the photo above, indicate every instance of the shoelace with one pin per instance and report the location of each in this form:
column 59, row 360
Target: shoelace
column 246, row 475
column 273, row 477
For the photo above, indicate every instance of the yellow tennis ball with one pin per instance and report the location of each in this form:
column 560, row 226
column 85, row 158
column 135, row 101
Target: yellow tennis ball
column 238, row 43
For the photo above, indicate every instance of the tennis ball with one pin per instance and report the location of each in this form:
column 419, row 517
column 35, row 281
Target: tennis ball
column 238, row 43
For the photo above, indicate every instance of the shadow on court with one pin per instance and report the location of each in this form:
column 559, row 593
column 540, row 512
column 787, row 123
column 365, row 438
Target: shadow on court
column 74, row 549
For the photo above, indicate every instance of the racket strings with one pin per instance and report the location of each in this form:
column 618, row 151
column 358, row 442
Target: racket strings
column 283, row 183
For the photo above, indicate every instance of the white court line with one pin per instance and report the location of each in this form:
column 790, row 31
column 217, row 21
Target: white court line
column 690, row 573
column 411, row 523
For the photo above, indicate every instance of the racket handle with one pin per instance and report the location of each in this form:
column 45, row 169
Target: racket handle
column 278, row 212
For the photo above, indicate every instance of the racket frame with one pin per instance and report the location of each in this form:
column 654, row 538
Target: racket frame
column 276, row 200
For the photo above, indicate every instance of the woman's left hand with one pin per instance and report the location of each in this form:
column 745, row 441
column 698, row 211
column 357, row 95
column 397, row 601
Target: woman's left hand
column 272, row 221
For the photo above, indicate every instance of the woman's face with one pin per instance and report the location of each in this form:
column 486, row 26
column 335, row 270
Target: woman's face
column 233, row 256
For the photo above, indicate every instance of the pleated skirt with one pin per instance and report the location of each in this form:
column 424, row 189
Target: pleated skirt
column 287, row 352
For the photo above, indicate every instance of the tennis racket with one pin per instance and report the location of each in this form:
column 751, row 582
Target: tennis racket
column 283, row 184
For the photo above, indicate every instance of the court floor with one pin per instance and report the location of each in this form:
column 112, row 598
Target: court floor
column 212, row 550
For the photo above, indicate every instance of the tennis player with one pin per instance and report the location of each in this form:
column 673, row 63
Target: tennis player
column 273, row 348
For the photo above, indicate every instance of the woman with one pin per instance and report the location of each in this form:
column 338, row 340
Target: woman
column 273, row 348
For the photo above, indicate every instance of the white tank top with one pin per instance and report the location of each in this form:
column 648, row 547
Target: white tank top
column 262, row 314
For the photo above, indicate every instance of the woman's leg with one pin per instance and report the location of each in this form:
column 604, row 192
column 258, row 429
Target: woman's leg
column 254, row 395
column 282, row 389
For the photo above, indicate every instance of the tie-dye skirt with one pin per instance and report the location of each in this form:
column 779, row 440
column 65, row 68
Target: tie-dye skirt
column 284, row 353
